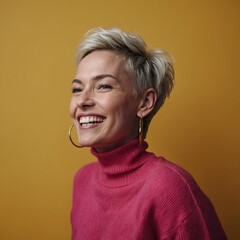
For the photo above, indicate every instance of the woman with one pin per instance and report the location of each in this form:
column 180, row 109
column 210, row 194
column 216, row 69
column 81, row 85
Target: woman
column 129, row 193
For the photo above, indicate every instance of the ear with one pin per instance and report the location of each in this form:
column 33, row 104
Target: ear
column 147, row 102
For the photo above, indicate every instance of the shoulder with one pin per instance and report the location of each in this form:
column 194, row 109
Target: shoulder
column 178, row 199
column 175, row 189
column 85, row 172
column 172, row 176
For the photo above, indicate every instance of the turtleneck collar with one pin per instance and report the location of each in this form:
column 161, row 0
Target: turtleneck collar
column 123, row 165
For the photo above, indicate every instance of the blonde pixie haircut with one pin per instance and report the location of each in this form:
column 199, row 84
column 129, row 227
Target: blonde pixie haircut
column 149, row 68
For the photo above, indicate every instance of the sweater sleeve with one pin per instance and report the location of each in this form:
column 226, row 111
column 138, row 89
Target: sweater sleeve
column 183, row 211
column 194, row 227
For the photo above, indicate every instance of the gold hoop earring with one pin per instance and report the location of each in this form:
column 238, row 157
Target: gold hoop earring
column 69, row 134
column 140, row 131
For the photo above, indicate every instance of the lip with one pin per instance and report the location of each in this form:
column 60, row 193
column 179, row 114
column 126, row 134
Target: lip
column 89, row 115
column 89, row 125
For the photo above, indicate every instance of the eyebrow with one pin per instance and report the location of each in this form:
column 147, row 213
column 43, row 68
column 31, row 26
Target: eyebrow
column 96, row 78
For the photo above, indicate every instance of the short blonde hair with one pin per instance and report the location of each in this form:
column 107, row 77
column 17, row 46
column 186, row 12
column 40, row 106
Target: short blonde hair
column 149, row 68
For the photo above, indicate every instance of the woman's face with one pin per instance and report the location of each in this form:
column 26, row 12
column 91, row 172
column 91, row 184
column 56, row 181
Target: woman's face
column 103, row 105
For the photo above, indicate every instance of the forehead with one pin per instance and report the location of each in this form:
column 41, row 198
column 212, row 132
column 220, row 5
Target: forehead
column 102, row 62
column 103, row 58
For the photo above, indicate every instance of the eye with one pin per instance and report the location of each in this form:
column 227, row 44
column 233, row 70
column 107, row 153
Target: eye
column 104, row 86
column 76, row 90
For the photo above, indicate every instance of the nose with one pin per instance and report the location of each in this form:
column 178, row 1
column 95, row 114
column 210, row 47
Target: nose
column 85, row 99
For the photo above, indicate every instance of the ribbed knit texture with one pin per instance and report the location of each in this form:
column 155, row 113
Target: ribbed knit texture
column 130, row 194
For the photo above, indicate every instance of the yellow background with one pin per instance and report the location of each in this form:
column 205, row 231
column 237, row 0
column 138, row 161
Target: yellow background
column 198, row 128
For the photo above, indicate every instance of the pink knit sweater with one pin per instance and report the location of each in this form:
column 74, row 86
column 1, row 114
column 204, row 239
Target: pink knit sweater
column 131, row 194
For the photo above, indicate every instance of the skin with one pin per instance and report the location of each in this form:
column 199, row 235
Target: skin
column 103, row 91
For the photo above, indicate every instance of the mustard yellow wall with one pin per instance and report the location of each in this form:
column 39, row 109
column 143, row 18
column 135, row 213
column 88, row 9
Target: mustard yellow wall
column 198, row 128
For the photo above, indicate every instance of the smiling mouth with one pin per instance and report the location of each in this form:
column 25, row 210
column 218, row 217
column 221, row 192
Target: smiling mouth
column 91, row 120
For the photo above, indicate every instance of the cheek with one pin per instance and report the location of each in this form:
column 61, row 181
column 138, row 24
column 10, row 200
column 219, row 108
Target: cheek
column 125, row 109
column 72, row 108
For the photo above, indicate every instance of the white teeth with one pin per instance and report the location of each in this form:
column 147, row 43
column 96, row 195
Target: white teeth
column 91, row 119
